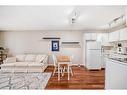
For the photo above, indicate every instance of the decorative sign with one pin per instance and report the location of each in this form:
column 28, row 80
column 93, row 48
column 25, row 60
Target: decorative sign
column 55, row 45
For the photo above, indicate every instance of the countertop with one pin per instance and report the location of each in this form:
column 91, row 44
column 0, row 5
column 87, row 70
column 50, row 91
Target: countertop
column 120, row 60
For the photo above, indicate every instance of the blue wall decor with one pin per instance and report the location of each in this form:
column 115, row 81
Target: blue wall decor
column 55, row 45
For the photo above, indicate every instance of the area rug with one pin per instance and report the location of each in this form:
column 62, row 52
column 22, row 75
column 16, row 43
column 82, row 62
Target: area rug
column 24, row 80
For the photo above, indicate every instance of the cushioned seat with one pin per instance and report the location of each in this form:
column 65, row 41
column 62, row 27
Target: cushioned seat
column 8, row 64
column 21, row 64
column 35, row 64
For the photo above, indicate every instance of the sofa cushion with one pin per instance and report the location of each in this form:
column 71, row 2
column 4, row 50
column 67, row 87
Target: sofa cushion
column 10, row 60
column 35, row 64
column 20, row 58
column 40, row 58
column 21, row 64
column 30, row 58
column 8, row 65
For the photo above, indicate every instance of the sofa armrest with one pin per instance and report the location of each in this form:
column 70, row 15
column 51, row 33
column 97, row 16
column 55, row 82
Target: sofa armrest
column 45, row 61
column 10, row 60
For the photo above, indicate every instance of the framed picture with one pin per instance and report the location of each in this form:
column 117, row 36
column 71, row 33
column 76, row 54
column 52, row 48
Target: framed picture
column 55, row 45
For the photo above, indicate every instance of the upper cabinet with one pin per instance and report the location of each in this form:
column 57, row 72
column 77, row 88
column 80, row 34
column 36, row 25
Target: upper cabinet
column 119, row 35
column 114, row 36
column 90, row 36
column 87, row 36
column 123, row 34
column 105, row 38
column 94, row 36
column 99, row 37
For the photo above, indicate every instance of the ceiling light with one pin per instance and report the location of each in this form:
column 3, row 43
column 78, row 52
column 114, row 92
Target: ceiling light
column 74, row 17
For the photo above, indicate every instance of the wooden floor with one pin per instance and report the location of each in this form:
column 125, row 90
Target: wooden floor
column 82, row 79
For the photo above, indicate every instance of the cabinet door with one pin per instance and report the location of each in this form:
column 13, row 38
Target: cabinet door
column 123, row 34
column 114, row 36
column 99, row 37
column 93, row 36
column 105, row 37
column 88, row 36
column 115, row 75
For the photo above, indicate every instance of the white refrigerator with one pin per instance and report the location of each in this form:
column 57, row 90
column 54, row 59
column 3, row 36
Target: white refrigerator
column 93, row 55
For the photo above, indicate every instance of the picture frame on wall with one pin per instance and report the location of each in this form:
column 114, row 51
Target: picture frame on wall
column 55, row 45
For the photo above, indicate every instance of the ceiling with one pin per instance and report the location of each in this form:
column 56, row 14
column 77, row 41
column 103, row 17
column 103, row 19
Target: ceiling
column 58, row 17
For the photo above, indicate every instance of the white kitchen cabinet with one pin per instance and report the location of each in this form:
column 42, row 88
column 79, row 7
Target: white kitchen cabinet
column 115, row 75
column 87, row 36
column 99, row 37
column 93, row 36
column 90, row 36
column 105, row 38
column 123, row 34
column 114, row 36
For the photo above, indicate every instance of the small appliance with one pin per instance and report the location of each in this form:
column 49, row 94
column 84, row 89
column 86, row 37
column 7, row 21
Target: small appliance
column 121, row 50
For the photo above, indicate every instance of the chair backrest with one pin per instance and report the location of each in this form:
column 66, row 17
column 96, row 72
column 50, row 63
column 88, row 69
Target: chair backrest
column 54, row 60
column 71, row 58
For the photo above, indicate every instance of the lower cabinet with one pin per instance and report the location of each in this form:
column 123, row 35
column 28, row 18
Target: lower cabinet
column 115, row 75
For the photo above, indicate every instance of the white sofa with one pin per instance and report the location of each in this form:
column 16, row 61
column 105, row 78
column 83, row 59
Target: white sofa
column 25, row 63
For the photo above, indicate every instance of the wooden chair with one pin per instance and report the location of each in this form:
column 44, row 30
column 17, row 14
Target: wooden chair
column 70, row 69
column 56, row 66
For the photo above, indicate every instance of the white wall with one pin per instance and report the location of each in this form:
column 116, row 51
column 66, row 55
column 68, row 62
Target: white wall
column 19, row 42
column 84, row 50
column 0, row 40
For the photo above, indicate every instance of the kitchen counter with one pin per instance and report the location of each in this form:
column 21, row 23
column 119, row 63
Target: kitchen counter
column 119, row 60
